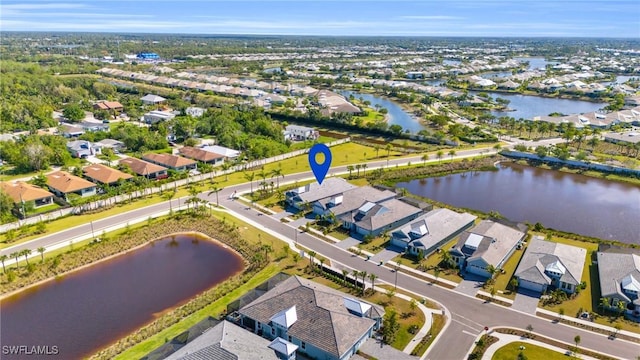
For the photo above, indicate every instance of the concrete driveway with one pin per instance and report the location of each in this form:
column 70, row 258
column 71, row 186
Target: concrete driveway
column 526, row 301
column 347, row 243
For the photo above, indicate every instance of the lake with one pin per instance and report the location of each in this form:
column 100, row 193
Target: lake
column 568, row 202
column 529, row 106
column 89, row 309
column 396, row 115
column 536, row 62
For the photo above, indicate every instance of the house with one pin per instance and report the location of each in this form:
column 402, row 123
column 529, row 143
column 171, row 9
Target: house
column 71, row 131
column 151, row 99
column 226, row 340
column 310, row 193
column 173, row 162
column 116, row 145
column 300, row 133
column 548, row 264
column 488, row 243
column 83, row 148
column 372, row 219
column 428, row 232
column 201, row 155
column 156, row 116
column 148, row 56
column 146, row 169
column 94, row 125
column 340, row 204
column 619, row 274
column 321, row 322
column 102, row 174
column 229, row 154
column 194, row 111
column 62, row 184
column 111, row 106
column 22, row 192
column 630, row 137
column 632, row 101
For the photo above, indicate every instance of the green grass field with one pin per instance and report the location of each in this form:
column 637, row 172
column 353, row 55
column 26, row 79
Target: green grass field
column 511, row 351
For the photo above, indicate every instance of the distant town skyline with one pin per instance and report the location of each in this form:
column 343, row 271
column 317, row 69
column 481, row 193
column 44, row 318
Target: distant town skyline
column 491, row 18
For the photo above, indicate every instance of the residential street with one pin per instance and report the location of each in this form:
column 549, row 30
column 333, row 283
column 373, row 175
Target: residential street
column 470, row 315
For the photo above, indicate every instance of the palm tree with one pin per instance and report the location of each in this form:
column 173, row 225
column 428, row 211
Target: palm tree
column 604, row 303
column 424, row 158
column 250, row 177
column 3, row 258
column 26, row 253
column 345, row 272
column 355, row 274
column 446, row 259
column 388, row 148
column 491, row 270
column 312, row 254
column 377, row 149
column 226, row 166
column 373, row 278
column 364, row 167
column 41, row 250
column 452, row 153
column 364, row 276
column 277, row 173
column 439, row 155
column 593, row 142
column 577, row 341
column 350, row 169
column 358, row 166
column 215, row 190
column 15, row 255
column 170, row 195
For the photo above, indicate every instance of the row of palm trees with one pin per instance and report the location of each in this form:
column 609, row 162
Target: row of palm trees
column 355, row 273
column 17, row 254
column 275, row 173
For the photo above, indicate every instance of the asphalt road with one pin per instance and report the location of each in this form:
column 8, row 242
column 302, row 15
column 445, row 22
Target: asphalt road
column 470, row 315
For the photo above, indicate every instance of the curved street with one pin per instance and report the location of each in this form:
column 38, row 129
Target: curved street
column 469, row 315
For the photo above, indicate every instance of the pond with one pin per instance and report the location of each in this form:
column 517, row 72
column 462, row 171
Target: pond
column 89, row 309
column 529, row 106
column 496, row 75
column 396, row 114
column 536, row 62
column 568, row 202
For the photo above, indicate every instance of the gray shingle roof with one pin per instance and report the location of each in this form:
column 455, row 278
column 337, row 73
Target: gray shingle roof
column 440, row 223
column 541, row 253
column 323, row 319
column 330, row 187
column 497, row 241
column 226, row 341
column 382, row 214
column 613, row 267
column 354, row 198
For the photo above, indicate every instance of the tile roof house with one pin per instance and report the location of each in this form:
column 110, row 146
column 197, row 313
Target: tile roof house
column 547, row 263
column 323, row 323
column 108, row 106
column 83, row 148
column 310, row 193
column 619, row 274
column 102, row 174
column 173, row 162
column 24, row 192
column 62, row 183
column 431, row 230
column 144, row 168
column 375, row 218
column 488, row 243
column 201, row 155
column 226, row 341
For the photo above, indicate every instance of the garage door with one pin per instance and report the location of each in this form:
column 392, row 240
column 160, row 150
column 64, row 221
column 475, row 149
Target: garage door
column 524, row 284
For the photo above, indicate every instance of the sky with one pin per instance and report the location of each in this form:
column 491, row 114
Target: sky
column 481, row 18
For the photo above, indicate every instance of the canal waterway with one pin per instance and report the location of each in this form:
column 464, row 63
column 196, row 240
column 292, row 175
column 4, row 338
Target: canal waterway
column 396, row 114
column 563, row 201
column 88, row 309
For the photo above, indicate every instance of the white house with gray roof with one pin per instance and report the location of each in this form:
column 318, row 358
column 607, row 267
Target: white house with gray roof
column 431, row 230
column 488, row 243
column 321, row 322
column 350, row 200
column 547, row 263
column 310, row 193
column 375, row 218
column 619, row 273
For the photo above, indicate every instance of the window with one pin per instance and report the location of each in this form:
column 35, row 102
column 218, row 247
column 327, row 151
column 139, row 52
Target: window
column 273, row 330
column 289, row 338
column 303, row 345
column 259, row 325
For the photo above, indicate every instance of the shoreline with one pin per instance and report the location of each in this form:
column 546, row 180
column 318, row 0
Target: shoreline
column 124, row 252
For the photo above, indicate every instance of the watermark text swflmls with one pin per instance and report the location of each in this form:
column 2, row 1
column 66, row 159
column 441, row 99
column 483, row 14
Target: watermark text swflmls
column 30, row 350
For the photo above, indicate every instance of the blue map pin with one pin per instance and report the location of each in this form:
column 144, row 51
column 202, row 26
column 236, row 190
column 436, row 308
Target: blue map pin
column 320, row 170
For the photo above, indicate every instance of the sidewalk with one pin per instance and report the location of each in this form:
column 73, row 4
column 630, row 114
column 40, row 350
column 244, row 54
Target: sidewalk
column 504, row 339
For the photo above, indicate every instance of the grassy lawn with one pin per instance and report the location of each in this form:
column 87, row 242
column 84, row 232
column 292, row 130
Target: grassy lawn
column 357, row 181
column 588, row 298
column 502, row 280
column 339, row 234
column 44, row 209
column 511, row 351
column 307, row 144
column 432, row 262
column 438, row 323
column 71, row 221
column 377, row 244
